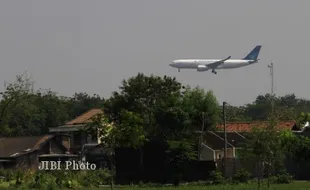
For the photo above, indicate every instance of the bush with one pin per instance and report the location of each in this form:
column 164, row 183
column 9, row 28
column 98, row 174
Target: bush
column 7, row 174
column 242, row 176
column 43, row 180
column 217, row 177
column 282, row 178
column 94, row 178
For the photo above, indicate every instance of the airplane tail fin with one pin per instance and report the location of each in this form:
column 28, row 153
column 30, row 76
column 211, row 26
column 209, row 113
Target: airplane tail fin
column 253, row 54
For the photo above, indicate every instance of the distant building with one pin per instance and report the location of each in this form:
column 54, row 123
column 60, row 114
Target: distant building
column 26, row 152
column 81, row 142
column 76, row 130
column 212, row 147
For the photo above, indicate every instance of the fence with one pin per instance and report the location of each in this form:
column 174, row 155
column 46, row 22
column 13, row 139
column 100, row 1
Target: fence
column 235, row 164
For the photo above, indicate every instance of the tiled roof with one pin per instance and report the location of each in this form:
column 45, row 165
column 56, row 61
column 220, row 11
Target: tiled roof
column 10, row 146
column 85, row 117
column 247, row 126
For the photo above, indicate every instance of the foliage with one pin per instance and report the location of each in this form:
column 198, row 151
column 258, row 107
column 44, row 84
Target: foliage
column 152, row 107
column 143, row 95
column 197, row 102
column 298, row 147
column 264, row 146
column 180, row 153
column 8, row 174
column 127, row 132
column 242, row 176
column 95, row 178
column 282, row 178
column 82, row 102
column 217, row 177
column 302, row 119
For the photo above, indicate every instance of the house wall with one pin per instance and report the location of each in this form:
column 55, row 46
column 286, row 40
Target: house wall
column 54, row 148
column 206, row 153
column 220, row 153
column 66, row 141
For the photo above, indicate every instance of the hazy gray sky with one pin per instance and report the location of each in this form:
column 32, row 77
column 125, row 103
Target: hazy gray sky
column 90, row 46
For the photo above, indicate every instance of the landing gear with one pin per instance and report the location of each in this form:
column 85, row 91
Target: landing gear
column 179, row 69
column 213, row 71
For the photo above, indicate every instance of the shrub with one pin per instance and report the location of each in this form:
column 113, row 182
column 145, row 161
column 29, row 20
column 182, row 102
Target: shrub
column 94, row 178
column 242, row 176
column 217, row 177
column 282, row 178
column 7, row 174
column 43, row 180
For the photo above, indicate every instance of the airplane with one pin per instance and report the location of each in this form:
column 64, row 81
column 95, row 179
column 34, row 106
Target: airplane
column 215, row 64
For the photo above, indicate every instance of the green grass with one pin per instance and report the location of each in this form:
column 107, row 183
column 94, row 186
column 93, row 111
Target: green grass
column 292, row 186
column 297, row 185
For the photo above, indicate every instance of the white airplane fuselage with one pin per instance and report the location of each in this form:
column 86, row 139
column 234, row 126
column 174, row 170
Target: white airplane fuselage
column 194, row 63
column 215, row 64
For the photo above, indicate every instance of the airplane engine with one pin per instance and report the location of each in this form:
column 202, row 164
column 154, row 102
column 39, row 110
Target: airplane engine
column 202, row 68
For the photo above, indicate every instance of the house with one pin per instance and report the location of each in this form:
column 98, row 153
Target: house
column 242, row 127
column 76, row 130
column 27, row 152
column 94, row 153
column 212, row 147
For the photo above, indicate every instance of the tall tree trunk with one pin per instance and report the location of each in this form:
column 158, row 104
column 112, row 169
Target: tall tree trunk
column 112, row 165
column 258, row 174
column 268, row 174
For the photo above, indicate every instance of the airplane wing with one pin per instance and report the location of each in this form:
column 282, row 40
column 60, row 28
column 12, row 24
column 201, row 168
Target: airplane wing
column 217, row 63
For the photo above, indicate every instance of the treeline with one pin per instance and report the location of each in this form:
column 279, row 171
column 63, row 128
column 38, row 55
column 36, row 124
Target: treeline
column 163, row 103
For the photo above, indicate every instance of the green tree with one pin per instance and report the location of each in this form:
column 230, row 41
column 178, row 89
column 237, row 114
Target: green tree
column 264, row 145
column 236, row 114
column 303, row 119
column 53, row 109
column 82, row 102
column 14, row 107
column 172, row 119
column 127, row 132
column 141, row 94
column 201, row 105
column 180, row 153
column 158, row 100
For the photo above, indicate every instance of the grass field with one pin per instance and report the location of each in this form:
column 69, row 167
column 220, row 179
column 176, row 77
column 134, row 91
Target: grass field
column 292, row 186
column 297, row 185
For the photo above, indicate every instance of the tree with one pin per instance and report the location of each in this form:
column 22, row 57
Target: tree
column 53, row 109
column 303, row 119
column 82, row 102
column 236, row 114
column 180, row 152
column 127, row 132
column 157, row 100
column 172, row 119
column 201, row 105
column 265, row 146
column 14, row 102
column 141, row 94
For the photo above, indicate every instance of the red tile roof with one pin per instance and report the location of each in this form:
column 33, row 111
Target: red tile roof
column 85, row 117
column 247, row 126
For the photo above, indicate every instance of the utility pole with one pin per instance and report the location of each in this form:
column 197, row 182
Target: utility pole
column 225, row 138
column 272, row 86
column 201, row 134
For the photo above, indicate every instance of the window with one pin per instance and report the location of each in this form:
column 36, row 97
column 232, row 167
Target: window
column 77, row 137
